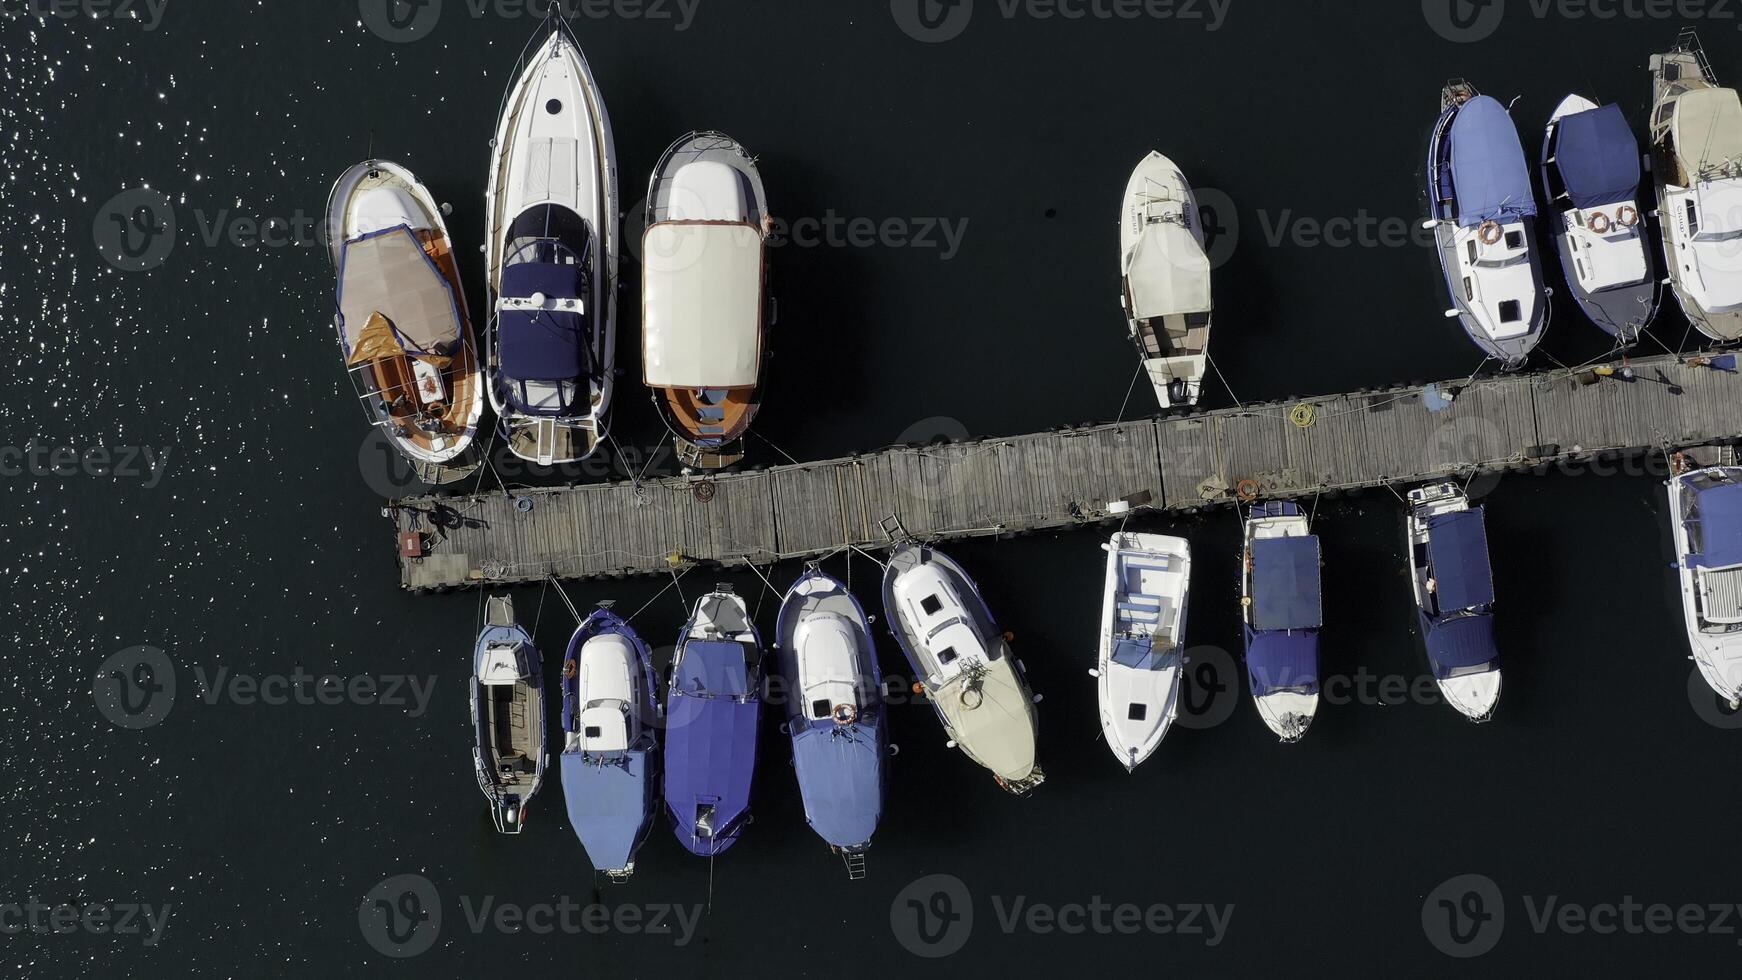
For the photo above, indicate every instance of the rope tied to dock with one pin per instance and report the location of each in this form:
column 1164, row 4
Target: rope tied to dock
column 1304, row 415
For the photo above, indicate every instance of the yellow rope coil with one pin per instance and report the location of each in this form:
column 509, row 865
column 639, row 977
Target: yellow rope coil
column 1304, row 415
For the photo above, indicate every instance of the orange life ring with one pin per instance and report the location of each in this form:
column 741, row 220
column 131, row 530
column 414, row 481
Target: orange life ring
column 1679, row 463
column 1599, row 223
column 846, row 714
column 571, row 668
column 1627, row 216
column 1247, row 490
column 1491, row 232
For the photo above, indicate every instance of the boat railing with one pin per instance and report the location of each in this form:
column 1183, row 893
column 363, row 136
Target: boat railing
column 1688, row 41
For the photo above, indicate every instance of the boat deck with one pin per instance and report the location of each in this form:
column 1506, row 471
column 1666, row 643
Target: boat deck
column 1061, row 479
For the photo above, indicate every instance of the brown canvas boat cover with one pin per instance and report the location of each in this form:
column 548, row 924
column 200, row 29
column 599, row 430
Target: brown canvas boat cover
column 376, row 343
column 387, row 274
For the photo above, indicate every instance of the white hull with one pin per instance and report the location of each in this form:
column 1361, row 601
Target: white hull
column 376, row 196
column 1175, row 353
column 531, row 165
column 1288, row 714
column 1475, row 696
column 1717, row 646
column 1139, row 705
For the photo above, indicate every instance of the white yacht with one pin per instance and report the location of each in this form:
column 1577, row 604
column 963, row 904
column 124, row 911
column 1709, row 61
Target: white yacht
column 1696, row 146
column 1166, row 280
column 1454, row 594
column 1484, row 223
column 1706, row 513
column 552, row 251
column 1283, row 612
column 1143, row 624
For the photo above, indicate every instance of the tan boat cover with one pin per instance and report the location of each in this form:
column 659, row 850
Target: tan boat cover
column 376, row 343
column 1708, row 128
column 1169, row 273
column 998, row 730
column 389, row 275
column 702, row 304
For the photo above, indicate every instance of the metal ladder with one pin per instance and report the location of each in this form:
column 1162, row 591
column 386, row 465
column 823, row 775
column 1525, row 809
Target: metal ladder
column 855, row 863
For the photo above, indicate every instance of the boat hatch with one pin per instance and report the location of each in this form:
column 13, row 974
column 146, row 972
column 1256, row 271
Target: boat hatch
column 1721, row 596
column 1137, row 712
column 501, row 665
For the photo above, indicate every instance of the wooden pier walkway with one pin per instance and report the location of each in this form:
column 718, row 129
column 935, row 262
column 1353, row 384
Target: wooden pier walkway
column 1064, row 478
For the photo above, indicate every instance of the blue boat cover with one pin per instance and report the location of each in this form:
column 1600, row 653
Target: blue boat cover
column 523, row 279
column 840, row 777
column 1458, row 547
column 1137, row 654
column 1489, row 175
column 1464, row 641
column 1285, row 584
column 540, row 345
column 1598, row 157
column 610, row 802
column 1283, row 662
column 710, row 760
column 713, row 668
column 1720, row 510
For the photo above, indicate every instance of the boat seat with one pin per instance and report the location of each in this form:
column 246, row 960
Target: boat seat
column 1142, row 599
column 1145, row 562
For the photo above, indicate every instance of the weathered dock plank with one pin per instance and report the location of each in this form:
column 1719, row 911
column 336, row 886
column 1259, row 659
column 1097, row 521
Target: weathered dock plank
column 1065, row 478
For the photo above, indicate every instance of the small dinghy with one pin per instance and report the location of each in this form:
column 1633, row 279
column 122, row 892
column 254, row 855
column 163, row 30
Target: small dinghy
column 963, row 663
column 1696, row 148
column 551, row 258
column 1143, row 627
column 1283, row 612
column 507, row 715
column 704, row 296
column 1454, row 594
column 1591, row 177
column 1705, row 507
column 1484, row 221
column 403, row 324
column 610, row 751
column 1166, row 276
column 834, row 713
column 712, row 710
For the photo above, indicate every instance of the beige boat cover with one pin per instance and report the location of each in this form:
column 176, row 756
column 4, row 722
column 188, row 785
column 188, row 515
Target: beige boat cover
column 1708, row 128
column 702, row 304
column 995, row 725
column 1169, row 273
column 389, row 275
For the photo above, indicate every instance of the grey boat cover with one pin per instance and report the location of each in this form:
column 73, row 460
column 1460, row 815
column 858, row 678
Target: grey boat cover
column 1169, row 273
column 389, row 273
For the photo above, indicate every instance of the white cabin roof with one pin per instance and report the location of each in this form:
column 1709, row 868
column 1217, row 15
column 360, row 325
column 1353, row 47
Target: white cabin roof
column 828, row 668
column 604, row 727
column 1168, row 273
column 702, row 304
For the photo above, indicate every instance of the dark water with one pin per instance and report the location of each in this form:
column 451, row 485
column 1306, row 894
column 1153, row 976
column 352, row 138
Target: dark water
column 257, row 547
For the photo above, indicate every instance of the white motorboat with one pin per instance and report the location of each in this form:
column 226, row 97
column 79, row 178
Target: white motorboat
column 1283, row 611
column 1705, row 507
column 551, row 243
column 1166, row 276
column 1143, row 622
column 1454, row 594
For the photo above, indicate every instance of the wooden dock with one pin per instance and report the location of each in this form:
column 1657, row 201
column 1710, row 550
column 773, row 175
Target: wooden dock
column 1066, row 478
